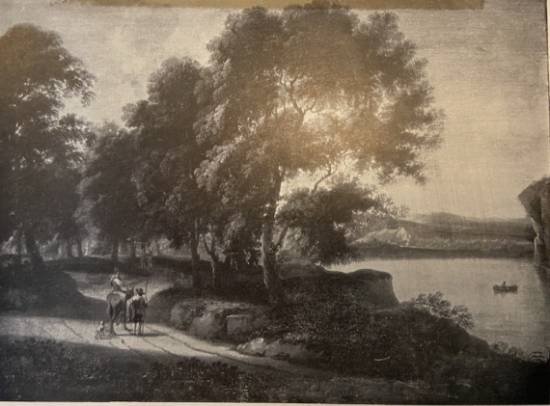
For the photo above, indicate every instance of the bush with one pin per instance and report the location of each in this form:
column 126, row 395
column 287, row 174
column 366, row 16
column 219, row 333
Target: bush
column 402, row 342
column 436, row 305
column 46, row 370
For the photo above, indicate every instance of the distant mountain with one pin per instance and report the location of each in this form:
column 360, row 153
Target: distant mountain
column 447, row 224
column 450, row 218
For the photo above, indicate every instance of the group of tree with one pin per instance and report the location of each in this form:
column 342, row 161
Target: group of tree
column 40, row 148
column 204, row 159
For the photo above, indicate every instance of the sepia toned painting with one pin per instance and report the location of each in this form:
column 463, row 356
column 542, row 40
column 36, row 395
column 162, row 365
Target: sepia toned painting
column 274, row 201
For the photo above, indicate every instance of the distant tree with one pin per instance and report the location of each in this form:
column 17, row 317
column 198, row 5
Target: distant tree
column 37, row 145
column 321, row 218
column 169, row 153
column 303, row 90
column 109, row 188
column 67, row 226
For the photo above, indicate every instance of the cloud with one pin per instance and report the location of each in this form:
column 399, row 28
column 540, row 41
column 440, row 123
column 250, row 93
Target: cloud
column 357, row 4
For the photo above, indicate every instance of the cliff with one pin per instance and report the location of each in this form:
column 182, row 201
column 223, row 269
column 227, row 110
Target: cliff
column 535, row 198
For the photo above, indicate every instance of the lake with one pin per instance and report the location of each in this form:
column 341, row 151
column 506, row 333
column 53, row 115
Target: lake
column 521, row 320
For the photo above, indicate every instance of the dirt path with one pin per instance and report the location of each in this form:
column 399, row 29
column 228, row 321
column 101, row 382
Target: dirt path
column 157, row 343
column 165, row 345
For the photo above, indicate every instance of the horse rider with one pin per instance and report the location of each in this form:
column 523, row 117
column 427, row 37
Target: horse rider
column 116, row 283
column 118, row 287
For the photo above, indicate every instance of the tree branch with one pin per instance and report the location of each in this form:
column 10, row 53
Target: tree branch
column 281, row 238
column 205, row 245
column 323, row 178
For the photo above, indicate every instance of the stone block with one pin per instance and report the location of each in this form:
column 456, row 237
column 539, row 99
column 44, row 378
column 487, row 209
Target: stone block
column 238, row 324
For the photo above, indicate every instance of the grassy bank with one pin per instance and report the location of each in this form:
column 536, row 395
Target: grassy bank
column 49, row 371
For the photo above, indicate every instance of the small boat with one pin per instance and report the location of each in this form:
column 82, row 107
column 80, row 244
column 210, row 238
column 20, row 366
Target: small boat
column 505, row 288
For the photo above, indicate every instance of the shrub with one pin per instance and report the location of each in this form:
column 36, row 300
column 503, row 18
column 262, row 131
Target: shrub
column 436, row 305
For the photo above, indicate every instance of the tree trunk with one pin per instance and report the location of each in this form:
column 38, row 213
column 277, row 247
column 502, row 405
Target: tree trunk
column 157, row 247
column 114, row 252
column 33, row 251
column 269, row 263
column 69, row 248
column 216, row 267
column 132, row 251
column 269, row 249
column 79, row 247
column 18, row 247
column 143, row 256
column 195, row 259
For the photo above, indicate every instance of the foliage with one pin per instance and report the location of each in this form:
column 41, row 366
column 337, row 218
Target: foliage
column 276, row 110
column 48, row 370
column 37, row 144
column 435, row 304
column 168, row 150
column 402, row 343
column 323, row 217
column 506, row 349
column 108, row 184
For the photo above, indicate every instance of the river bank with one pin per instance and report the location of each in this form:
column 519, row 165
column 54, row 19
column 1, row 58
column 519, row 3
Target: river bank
column 379, row 350
column 342, row 331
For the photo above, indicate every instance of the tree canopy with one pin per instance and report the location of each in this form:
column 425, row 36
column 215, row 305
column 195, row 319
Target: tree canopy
column 206, row 156
column 109, row 188
column 305, row 89
column 37, row 142
column 321, row 218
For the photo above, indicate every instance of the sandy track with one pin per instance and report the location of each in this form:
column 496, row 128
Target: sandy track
column 158, row 344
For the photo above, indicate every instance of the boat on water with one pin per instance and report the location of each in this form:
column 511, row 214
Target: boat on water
column 504, row 288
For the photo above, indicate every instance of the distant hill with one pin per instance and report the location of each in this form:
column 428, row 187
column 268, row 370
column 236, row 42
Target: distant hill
column 451, row 235
column 448, row 225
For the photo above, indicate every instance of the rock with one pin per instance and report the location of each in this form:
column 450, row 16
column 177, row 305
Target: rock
column 254, row 347
column 300, row 269
column 184, row 281
column 282, row 350
column 17, row 299
column 239, row 324
column 535, row 198
column 278, row 349
column 208, row 318
column 182, row 315
column 209, row 325
column 368, row 288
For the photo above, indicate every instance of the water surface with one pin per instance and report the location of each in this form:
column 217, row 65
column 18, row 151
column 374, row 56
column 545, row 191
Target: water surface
column 521, row 320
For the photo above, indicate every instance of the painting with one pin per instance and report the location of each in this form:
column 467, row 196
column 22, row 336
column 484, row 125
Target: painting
column 305, row 201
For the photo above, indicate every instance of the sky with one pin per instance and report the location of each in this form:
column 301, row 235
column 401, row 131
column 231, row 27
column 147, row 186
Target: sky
column 488, row 69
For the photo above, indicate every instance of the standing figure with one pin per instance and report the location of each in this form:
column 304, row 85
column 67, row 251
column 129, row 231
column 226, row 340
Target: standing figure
column 138, row 305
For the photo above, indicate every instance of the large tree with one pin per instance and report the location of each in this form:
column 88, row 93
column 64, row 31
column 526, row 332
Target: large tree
column 323, row 218
column 36, row 142
column 109, row 188
column 303, row 90
column 169, row 153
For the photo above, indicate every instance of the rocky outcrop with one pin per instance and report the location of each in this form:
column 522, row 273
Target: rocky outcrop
column 365, row 287
column 217, row 319
column 278, row 349
column 536, row 201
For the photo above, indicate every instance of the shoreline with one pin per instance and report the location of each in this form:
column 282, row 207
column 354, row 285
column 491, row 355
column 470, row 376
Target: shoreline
column 399, row 252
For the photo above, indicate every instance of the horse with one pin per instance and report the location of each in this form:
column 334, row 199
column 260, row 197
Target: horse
column 116, row 305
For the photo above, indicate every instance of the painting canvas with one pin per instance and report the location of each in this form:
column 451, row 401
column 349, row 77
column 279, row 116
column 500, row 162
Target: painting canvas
column 306, row 201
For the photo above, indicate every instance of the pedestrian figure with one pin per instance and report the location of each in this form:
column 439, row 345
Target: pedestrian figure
column 138, row 304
